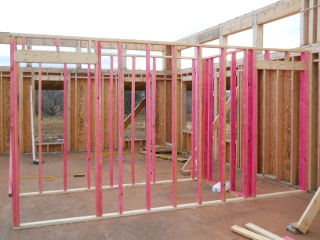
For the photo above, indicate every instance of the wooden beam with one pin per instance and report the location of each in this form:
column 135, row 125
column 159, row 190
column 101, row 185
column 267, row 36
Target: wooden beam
column 247, row 233
column 262, row 231
column 137, row 110
column 280, row 65
column 55, row 57
column 270, row 13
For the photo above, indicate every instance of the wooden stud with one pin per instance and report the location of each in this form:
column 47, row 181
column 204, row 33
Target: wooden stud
column 304, row 23
column 244, row 119
column 21, row 113
column 262, row 231
column 250, row 117
column 98, row 150
column 14, row 173
column 148, row 137
column 303, row 124
column 65, row 126
column 210, row 119
column 266, row 118
column 199, row 123
column 254, row 119
column 111, row 97
column 204, row 119
column 133, row 103
column 233, row 80
column 247, row 233
column 88, row 127
column 215, row 115
column 193, row 131
column 313, row 145
column 222, row 123
column 40, row 126
column 295, row 128
column 174, row 125
column 257, row 34
column 120, row 129
column 2, row 114
column 153, row 119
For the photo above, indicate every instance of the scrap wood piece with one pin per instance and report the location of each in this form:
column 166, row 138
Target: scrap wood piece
column 247, row 233
column 161, row 149
column 162, row 156
column 307, row 217
column 262, row 231
column 167, row 156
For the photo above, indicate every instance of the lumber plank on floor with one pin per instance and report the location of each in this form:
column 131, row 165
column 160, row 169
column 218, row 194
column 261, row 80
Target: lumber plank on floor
column 262, row 231
column 247, row 233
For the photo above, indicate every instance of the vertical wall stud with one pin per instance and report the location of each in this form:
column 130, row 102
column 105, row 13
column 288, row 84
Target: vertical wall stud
column 133, row 103
column 153, row 117
column 174, row 125
column 40, row 126
column 303, row 123
column 233, row 118
column 148, row 137
column 120, row 129
column 222, row 123
column 111, row 97
column 88, row 127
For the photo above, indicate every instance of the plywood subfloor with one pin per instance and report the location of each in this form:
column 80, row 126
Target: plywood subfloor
column 210, row 222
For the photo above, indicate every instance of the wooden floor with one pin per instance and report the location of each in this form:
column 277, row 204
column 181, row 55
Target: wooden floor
column 204, row 222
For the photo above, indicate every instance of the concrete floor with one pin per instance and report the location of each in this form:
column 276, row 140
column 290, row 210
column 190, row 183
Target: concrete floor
column 205, row 222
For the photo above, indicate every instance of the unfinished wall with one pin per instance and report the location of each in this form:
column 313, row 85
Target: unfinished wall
column 279, row 124
column 4, row 111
